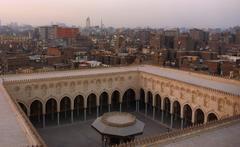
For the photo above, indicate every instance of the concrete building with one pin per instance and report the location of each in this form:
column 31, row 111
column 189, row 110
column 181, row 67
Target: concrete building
column 47, row 33
column 237, row 40
column 66, row 32
column 185, row 42
column 198, row 35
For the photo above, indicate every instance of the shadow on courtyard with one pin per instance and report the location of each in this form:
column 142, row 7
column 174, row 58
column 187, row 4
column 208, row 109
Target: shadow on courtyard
column 81, row 134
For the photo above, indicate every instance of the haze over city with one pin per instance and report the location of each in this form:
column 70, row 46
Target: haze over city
column 123, row 13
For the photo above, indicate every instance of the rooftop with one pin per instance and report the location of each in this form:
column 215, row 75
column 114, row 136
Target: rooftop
column 14, row 129
column 212, row 138
column 220, row 133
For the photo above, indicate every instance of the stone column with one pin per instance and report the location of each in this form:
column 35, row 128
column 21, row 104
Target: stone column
column 171, row 114
column 136, row 105
column 181, row 112
column 154, row 112
column 193, row 118
column 181, row 123
column 146, row 107
column 162, row 109
column 28, row 113
column 205, row 118
column 171, row 125
column 120, row 107
column 85, row 114
column 71, row 116
column 43, row 120
column 97, row 111
column 109, row 107
column 171, row 108
column 58, row 122
column 162, row 116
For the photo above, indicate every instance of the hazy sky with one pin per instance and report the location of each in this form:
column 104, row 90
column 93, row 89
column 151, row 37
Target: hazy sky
column 128, row 13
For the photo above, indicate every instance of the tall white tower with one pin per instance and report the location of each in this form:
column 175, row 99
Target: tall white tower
column 88, row 23
column 102, row 25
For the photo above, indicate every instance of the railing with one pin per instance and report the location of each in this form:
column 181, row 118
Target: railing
column 158, row 139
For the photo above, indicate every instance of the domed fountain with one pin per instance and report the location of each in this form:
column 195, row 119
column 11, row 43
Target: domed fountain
column 118, row 127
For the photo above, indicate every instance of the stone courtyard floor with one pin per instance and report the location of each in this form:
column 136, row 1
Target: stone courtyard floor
column 81, row 134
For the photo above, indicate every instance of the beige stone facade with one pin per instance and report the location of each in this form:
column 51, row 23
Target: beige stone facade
column 42, row 88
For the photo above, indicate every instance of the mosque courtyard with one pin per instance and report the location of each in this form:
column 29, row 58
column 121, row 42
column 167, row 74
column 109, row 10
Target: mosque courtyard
column 81, row 133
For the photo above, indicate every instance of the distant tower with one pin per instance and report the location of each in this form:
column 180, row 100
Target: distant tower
column 88, row 23
column 102, row 25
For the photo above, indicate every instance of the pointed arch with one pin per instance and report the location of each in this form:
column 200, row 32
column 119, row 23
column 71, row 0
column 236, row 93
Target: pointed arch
column 158, row 103
column 23, row 107
column 36, row 108
column 91, row 105
column 78, row 110
column 212, row 117
column 149, row 103
column 167, row 104
column 65, row 109
column 128, row 103
column 199, row 116
column 36, row 112
column 187, row 115
column 115, row 101
column 176, row 109
column 103, row 102
column 51, row 111
column 142, row 100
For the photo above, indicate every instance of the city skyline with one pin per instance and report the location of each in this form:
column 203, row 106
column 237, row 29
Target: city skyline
column 156, row 14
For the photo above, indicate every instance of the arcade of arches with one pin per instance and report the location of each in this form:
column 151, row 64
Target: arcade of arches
column 81, row 108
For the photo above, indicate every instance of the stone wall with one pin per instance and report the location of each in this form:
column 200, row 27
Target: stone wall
column 208, row 100
column 27, row 91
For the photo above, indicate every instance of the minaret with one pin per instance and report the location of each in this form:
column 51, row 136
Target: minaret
column 88, row 23
column 102, row 25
